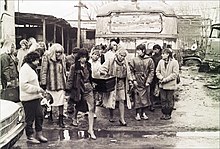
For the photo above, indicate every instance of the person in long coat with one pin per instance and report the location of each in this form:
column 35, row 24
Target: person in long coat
column 9, row 72
column 80, row 88
column 53, row 77
column 117, row 67
column 167, row 72
column 142, row 68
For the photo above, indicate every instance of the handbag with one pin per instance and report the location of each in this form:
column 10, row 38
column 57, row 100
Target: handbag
column 11, row 94
column 105, row 84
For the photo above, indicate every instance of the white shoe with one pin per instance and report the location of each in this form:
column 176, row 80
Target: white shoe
column 138, row 118
column 145, row 117
column 95, row 116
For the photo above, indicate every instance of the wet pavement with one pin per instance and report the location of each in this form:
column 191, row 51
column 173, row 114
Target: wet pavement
column 194, row 124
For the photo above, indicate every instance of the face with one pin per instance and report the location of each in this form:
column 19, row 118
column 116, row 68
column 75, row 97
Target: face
column 83, row 59
column 114, row 45
column 95, row 56
column 165, row 55
column 121, row 56
column 156, row 51
column 23, row 46
column 140, row 52
column 13, row 48
column 36, row 62
column 58, row 54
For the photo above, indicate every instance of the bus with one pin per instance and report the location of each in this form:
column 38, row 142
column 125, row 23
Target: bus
column 138, row 22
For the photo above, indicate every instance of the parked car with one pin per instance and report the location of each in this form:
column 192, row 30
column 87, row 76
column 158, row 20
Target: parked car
column 11, row 123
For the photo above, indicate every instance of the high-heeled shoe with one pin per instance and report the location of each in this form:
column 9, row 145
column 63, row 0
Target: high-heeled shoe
column 122, row 124
column 91, row 136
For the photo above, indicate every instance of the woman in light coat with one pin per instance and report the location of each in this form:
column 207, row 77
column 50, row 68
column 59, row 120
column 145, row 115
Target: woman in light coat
column 167, row 72
column 119, row 68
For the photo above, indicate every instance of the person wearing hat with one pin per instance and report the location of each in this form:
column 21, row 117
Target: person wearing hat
column 22, row 52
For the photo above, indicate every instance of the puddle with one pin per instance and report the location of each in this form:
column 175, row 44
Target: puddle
column 65, row 135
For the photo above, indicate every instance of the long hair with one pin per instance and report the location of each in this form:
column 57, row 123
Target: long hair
column 81, row 53
column 6, row 48
column 52, row 51
column 30, row 57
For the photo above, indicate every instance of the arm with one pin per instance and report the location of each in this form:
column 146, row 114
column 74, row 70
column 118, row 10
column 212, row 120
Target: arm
column 24, row 81
column 70, row 78
column 174, row 74
column 5, row 69
column 151, row 71
column 44, row 69
column 158, row 70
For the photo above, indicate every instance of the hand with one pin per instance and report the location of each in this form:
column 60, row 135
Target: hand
column 135, row 83
column 161, row 81
column 41, row 90
column 147, row 84
column 9, row 84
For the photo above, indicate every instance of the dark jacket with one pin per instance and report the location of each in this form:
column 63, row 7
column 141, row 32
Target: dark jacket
column 75, row 85
column 8, row 69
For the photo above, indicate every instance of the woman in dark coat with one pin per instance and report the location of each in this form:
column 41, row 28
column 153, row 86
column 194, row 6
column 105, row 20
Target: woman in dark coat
column 79, row 87
column 142, row 68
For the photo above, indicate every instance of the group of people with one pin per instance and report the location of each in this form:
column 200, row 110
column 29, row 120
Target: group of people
column 138, row 81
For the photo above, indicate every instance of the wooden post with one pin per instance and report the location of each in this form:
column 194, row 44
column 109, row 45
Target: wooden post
column 54, row 33
column 44, row 31
column 68, row 42
column 62, row 36
column 79, row 25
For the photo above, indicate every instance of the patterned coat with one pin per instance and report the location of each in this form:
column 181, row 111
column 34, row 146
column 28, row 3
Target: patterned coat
column 53, row 73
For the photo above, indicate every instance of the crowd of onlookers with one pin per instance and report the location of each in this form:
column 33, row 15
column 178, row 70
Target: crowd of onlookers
column 45, row 72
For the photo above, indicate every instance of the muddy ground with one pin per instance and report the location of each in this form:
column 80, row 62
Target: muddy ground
column 197, row 110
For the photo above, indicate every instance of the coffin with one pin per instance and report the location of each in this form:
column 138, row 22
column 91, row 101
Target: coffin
column 105, row 84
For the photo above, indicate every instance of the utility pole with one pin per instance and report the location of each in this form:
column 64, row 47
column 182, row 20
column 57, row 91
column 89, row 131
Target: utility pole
column 79, row 22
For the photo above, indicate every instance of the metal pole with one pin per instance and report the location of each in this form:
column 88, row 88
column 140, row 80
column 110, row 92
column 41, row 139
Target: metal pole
column 79, row 25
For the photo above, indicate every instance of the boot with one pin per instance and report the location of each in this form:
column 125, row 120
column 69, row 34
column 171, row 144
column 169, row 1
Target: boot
column 40, row 137
column 50, row 118
column 60, row 122
column 32, row 140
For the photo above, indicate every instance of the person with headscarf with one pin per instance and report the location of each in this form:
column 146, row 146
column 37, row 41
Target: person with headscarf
column 53, row 77
column 9, row 72
column 142, row 68
column 80, row 88
column 30, row 96
column 167, row 71
column 118, row 67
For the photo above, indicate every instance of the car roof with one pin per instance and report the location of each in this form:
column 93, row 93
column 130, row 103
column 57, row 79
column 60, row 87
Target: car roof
column 7, row 108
